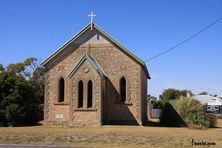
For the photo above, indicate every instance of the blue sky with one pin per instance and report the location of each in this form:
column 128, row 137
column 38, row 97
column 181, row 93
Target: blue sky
column 145, row 27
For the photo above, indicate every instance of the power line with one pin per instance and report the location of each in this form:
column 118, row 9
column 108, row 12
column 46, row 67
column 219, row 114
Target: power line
column 184, row 41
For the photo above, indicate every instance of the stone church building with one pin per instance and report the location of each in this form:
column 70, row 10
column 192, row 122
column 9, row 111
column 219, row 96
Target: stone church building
column 93, row 80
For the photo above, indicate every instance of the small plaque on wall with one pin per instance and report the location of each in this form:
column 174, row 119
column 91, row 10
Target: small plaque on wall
column 59, row 116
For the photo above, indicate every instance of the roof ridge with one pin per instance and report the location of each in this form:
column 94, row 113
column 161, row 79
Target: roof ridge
column 66, row 44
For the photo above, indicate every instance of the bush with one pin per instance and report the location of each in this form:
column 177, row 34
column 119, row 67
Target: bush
column 211, row 120
column 170, row 117
column 190, row 111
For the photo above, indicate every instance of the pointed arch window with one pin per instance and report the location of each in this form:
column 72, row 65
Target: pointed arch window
column 123, row 89
column 90, row 94
column 61, row 90
column 80, row 94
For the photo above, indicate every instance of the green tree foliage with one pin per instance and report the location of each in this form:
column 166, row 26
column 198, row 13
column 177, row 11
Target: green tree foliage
column 186, row 112
column 160, row 104
column 21, row 93
column 172, row 94
column 35, row 74
column 2, row 69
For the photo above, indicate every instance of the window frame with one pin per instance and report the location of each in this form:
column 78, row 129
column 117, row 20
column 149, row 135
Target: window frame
column 82, row 95
column 59, row 98
column 90, row 96
column 85, row 95
column 57, row 91
column 121, row 93
column 127, row 96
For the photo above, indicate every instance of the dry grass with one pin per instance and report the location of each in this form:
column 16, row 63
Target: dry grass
column 110, row 136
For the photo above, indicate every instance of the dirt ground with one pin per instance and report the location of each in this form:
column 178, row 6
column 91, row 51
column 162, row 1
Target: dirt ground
column 111, row 136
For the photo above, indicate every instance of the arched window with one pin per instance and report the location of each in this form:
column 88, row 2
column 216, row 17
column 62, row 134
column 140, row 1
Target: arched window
column 123, row 89
column 61, row 90
column 90, row 94
column 80, row 94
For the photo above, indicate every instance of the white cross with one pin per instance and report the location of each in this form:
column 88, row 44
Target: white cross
column 91, row 17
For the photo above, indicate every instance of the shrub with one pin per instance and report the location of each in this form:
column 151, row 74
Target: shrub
column 211, row 120
column 170, row 117
column 190, row 111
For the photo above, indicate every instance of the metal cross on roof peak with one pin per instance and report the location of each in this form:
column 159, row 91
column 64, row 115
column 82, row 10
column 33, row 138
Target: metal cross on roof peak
column 91, row 18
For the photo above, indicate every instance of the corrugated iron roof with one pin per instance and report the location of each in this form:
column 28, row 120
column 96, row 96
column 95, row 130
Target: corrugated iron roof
column 206, row 99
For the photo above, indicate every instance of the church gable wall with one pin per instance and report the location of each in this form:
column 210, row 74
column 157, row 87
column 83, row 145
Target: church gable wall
column 114, row 62
column 85, row 116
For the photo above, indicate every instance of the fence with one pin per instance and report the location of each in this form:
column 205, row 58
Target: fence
column 156, row 113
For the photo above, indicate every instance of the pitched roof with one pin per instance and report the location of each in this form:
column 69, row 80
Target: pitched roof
column 92, row 61
column 208, row 99
column 106, row 35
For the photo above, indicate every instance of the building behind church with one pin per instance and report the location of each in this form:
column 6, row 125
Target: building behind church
column 93, row 80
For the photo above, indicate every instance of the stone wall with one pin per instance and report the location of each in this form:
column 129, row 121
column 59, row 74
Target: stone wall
column 143, row 96
column 116, row 64
column 86, row 116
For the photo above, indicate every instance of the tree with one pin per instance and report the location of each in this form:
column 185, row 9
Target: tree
column 21, row 93
column 31, row 70
column 18, row 106
column 2, row 69
column 172, row 94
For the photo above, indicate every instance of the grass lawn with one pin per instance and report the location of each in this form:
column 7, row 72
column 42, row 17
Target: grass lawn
column 110, row 136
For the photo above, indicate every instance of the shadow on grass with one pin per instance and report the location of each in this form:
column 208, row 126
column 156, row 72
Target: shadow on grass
column 170, row 117
column 151, row 123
